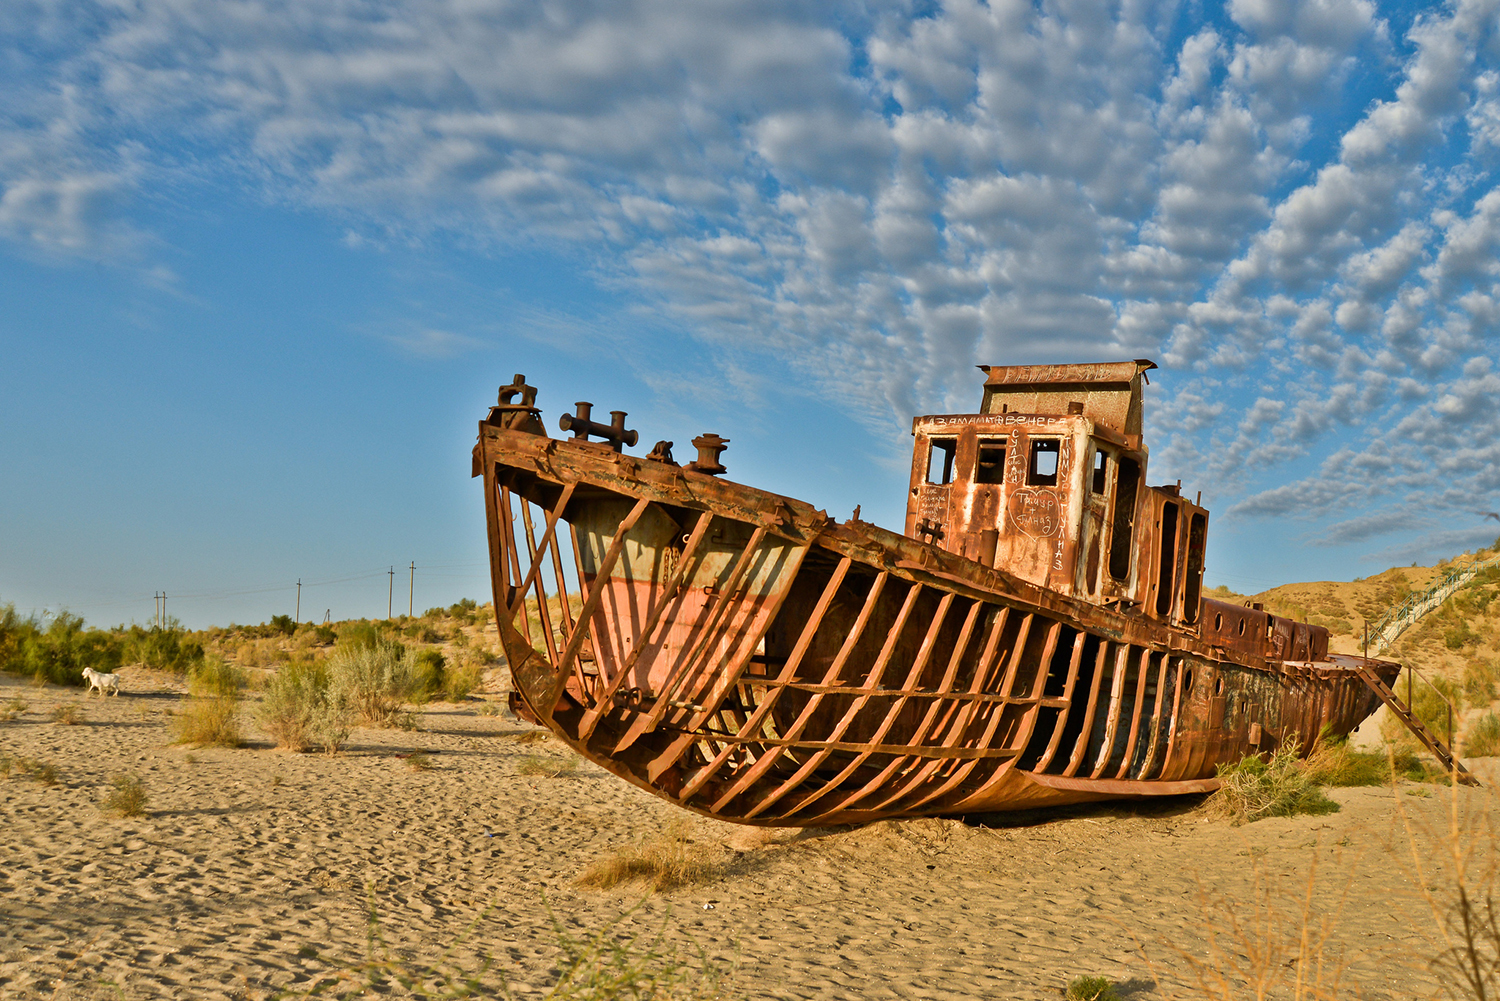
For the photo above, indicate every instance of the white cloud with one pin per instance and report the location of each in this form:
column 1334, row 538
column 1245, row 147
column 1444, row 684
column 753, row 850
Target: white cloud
column 880, row 198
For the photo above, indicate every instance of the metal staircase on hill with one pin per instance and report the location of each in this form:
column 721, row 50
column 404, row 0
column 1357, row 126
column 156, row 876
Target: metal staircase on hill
column 1403, row 712
column 1402, row 617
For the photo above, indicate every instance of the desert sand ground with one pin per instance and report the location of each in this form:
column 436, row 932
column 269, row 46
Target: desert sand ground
column 252, row 871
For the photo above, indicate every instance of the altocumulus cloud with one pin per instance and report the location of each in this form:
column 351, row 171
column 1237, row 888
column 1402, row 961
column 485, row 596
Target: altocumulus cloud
column 1290, row 204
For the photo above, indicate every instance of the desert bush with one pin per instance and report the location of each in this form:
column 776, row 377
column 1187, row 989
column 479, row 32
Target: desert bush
column 460, row 681
column 300, row 709
column 1253, row 789
column 283, row 624
column 1483, row 738
column 1479, row 683
column 1092, row 989
column 164, row 649
column 376, row 681
column 70, row 714
column 13, row 709
column 128, row 798
column 33, row 768
column 663, row 862
column 428, row 674
column 210, row 711
column 55, row 649
column 1334, row 763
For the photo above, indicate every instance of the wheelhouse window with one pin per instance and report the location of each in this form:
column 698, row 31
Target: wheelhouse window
column 1100, row 477
column 1127, row 480
column 1042, row 470
column 990, row 467
column 940, row 461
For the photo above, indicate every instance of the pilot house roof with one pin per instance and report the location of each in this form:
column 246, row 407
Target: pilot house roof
column 1108, row 393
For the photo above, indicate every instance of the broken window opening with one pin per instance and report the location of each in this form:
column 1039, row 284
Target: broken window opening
column 1167, row 564
column 1127, row 479
column 1101, row 472
column 940, row 461
column 991, row 465
column 1192, row 594
column 1043, row 469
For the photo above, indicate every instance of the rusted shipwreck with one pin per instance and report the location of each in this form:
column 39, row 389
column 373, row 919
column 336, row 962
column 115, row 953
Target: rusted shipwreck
column 1037, row 636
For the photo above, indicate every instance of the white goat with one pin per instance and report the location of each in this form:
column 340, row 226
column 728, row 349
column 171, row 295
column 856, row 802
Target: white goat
column 102, row 683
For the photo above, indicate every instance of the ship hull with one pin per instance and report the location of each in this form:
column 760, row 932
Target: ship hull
column 747, row 658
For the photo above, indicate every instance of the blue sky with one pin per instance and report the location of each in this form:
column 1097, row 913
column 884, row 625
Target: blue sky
column 263, row 264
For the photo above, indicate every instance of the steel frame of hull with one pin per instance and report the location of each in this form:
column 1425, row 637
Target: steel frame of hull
column 745, row 657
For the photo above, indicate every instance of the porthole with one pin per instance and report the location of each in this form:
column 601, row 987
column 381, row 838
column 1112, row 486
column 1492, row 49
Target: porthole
column 1218, row 621
column 1242, row 627
column 1219, row 686
column 1187, row 680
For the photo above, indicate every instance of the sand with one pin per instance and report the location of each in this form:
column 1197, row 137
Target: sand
column 253, row 871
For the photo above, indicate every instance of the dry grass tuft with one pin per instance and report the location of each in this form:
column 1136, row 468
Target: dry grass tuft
column 1092, row 989
column 32, row 768
column 665, row 862
column 418, row 762
column 70, row 714
column 533, row 737
column 210, row 712
column 13, row 709
column 1483, row 738
column 1254, row 789
column 544, row 766
column 128, row 798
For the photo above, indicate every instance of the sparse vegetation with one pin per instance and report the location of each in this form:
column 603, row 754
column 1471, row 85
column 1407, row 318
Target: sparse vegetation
column 128, row 797
column 210, row 711
column 377, row 679
column 1483, row 738
column 1092, row 989
column 418, row 762
column 300, row 709
column 545, row 766
column 32, row 768
column 664, row 862
column 609, row 964
column 1253, row 789
column 68, row 714
column 14, row 709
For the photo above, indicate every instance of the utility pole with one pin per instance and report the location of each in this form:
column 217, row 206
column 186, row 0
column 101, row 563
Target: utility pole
column 156, row 609
column 298, row 617
column 390, row 597
column 411, row 587
column 164, row 609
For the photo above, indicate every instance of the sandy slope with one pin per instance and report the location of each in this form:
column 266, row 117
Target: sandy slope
column 251, row 872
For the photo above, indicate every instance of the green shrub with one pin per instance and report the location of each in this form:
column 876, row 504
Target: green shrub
column 375, row 681
column 1253, row 789
column 300, row 710
column 427, row 674
column 461, row 680
column 1334, row 763
column 1483, row 738
column 168, row 649
column 55, row 650
column 283, row 624
column 1092, row 989
column 1479, row 683
column 128, row 798
column 210, row 711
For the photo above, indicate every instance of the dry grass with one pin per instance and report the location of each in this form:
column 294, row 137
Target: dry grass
column 418, row 762
column 32, row 768
column 532, row 737
column 210, row 712
column 1092, row 989
column 69, row 714
column 128, row 798
column 1279, row 946
column 1483, row 738
column 545, row 766
column 1253, row 789
column 667, row 861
